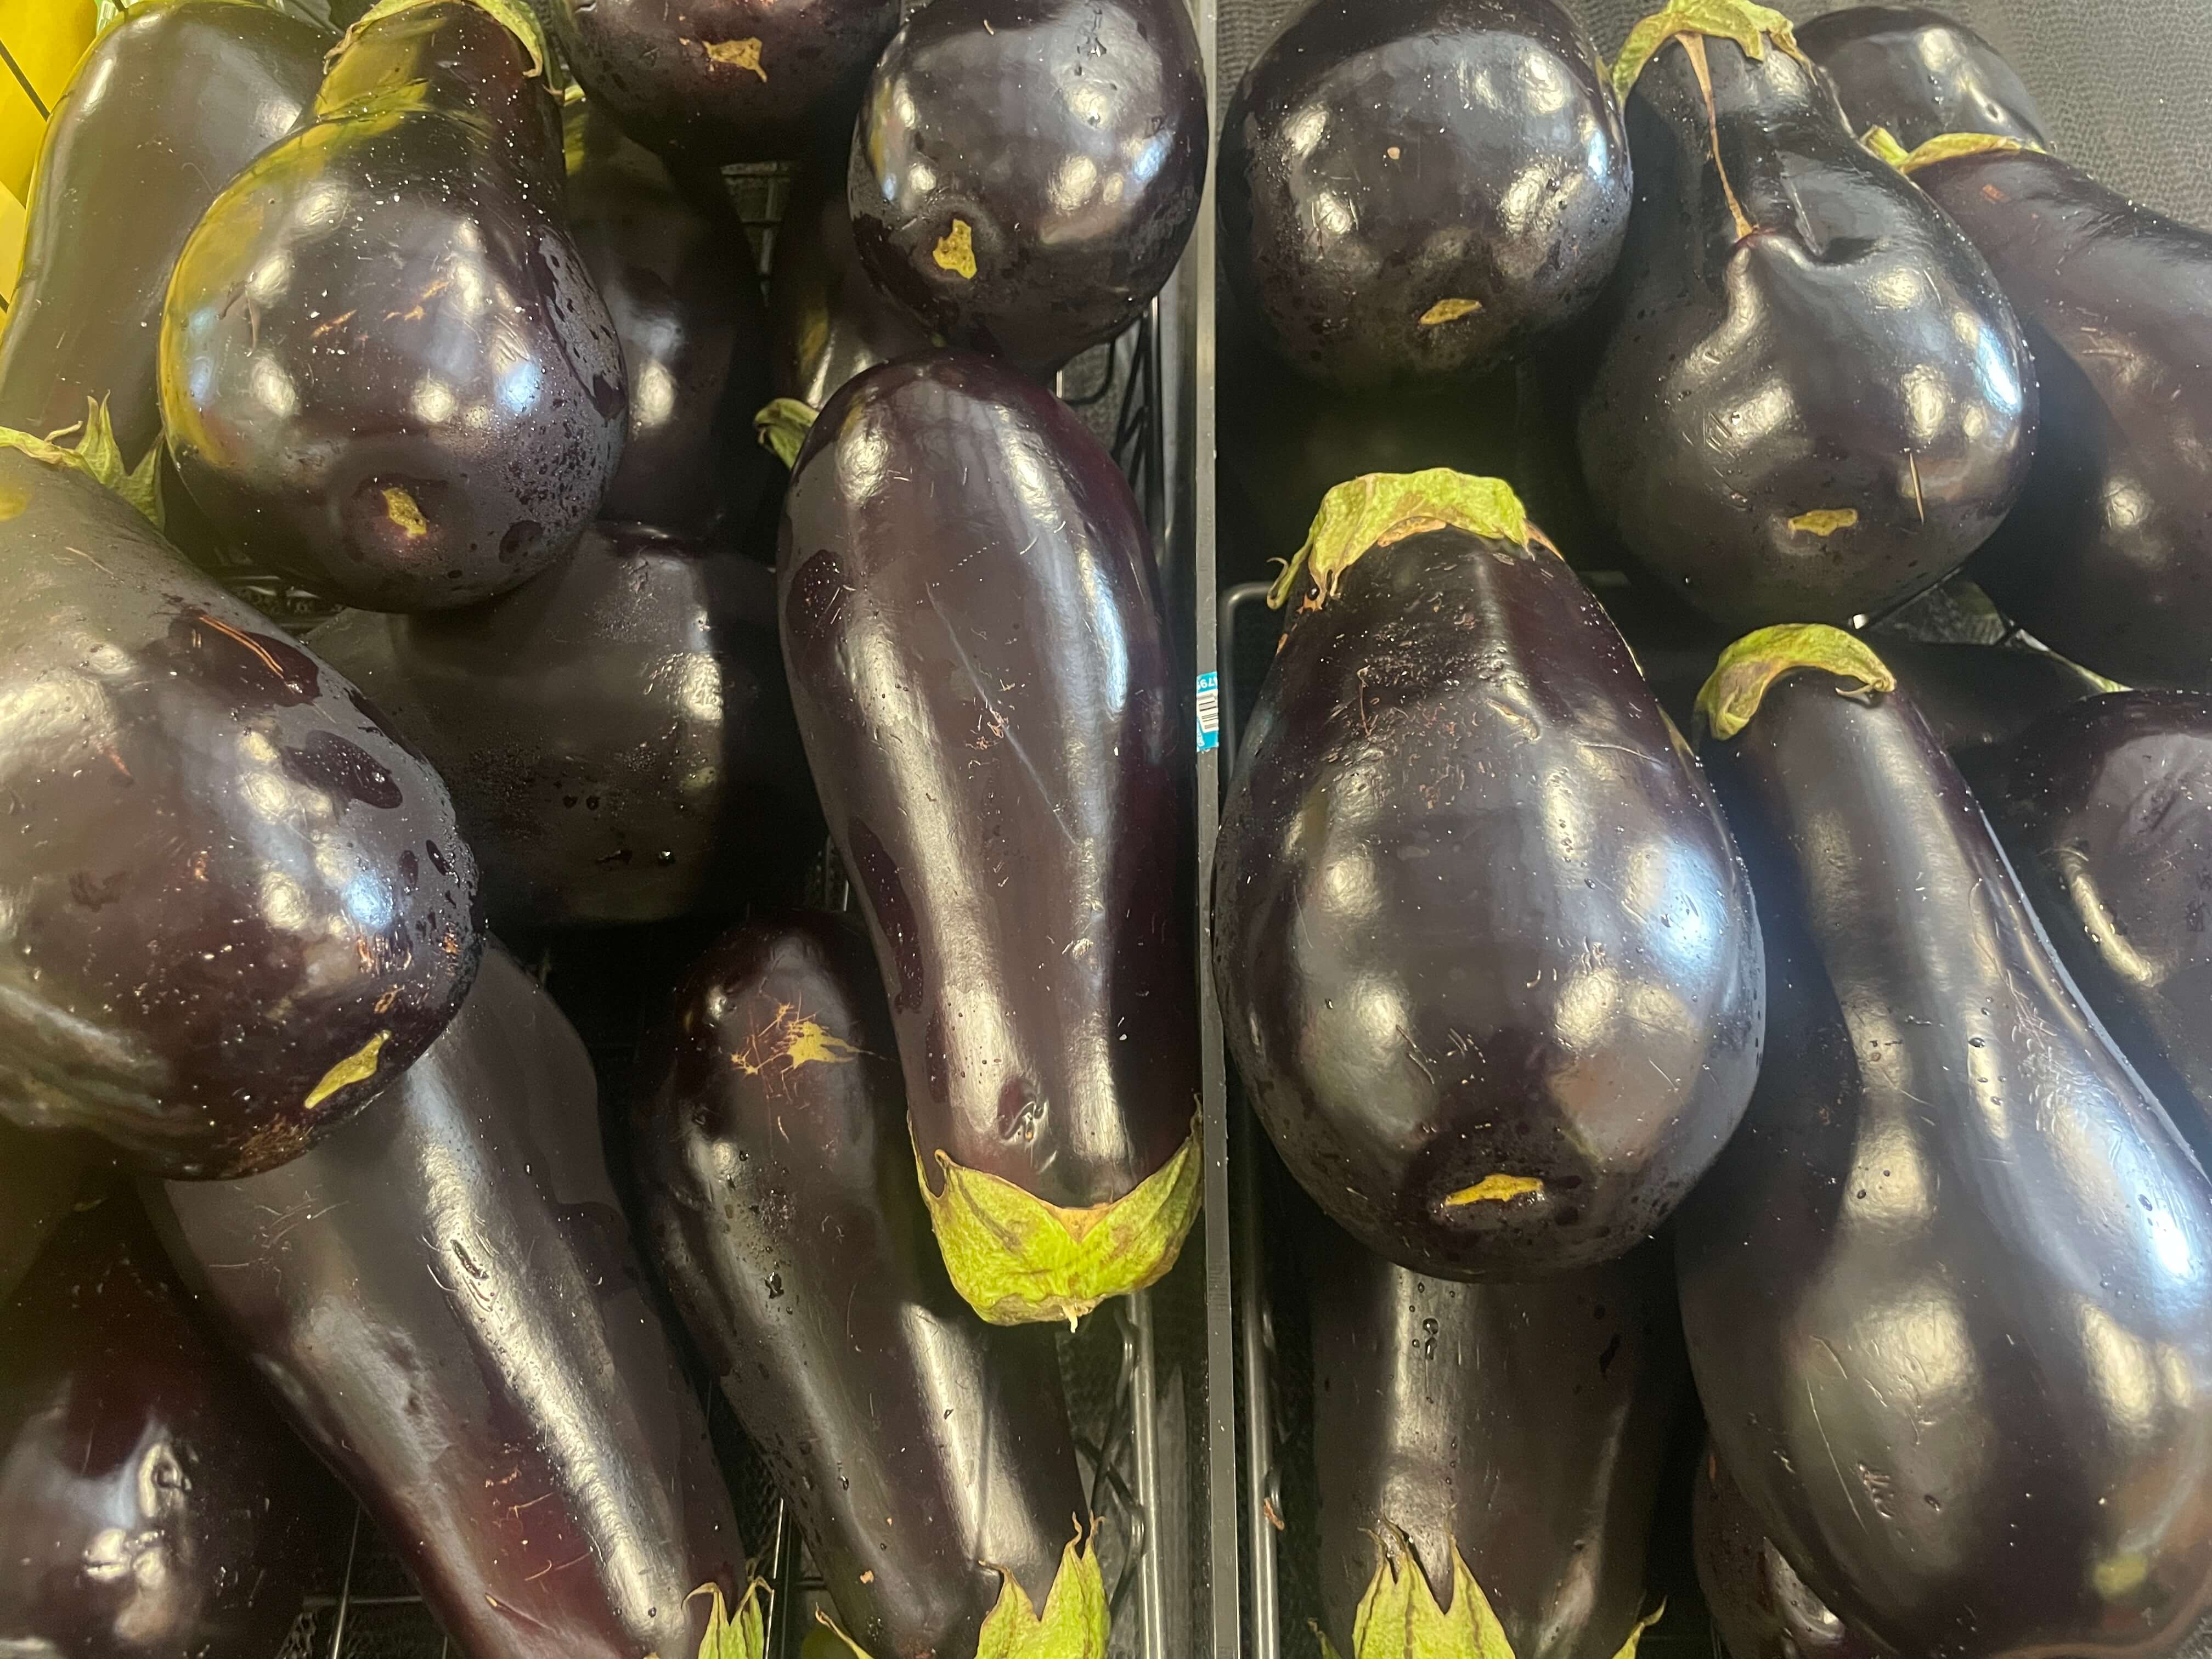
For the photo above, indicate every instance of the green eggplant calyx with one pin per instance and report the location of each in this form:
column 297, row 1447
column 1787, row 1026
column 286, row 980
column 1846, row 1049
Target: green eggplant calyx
column 1019, row 1261
column 1073, row 1625
column 782, row 426
column 1748, row 669
column 513, row 15
column 1882, row 144
column 1382, row 508
column 1398, row 1617
column 1750, row 26
column 739, row 1635
column 1947, row 146
column 96, row 455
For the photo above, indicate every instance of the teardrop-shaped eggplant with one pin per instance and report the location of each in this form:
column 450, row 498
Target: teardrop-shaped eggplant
column 386, row 373
column 1949, row 1290
column 1813, row 401
column 237, row 904
column 1760, row 1607
column 1412, row 190
column 618, row 733
column 1487, row 960
column 168, row 107
column 983, row 678
column 1025, row 172
column 445, row 1298
column 1917, row 74
column 925, row 1454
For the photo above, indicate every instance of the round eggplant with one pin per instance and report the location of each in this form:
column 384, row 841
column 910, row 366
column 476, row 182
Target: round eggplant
column 237, row 904
column 1948, row 1291
column 971, row 624
column 1812, row 401
column 446, row 1300
column 167, row 108
column 618, row 734
column 1760, row 1607
column 1414, row 189
column 925, row 1454
column 716, row 81
column 1025, row 172
column 385, row 373
column 1487, row 961
column 1917, row 74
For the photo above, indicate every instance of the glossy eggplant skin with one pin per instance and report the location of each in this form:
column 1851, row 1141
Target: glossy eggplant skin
column 1025, row 172
column 146, row 1509
column 618, row 733
column 386, row 373
column 1524, row 1424
column 1978, row 698
column 916, row 1443
column 1919, row 75
column 1477, row 921
column 2109, row 557
column 1812, row 401
column 1428, row 113
column 1760, row 1607
column 167, row 108
column 1908, row 1281
column 239, row 903
column 446, row 1301
column 716, row 81
column 972, row 627
column 694, row 334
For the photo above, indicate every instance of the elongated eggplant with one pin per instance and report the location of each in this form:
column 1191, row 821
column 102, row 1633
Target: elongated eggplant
column 39, row 1177
column 145, row 1507
column 1978, row 698
column 1487, row 962
column 167, row 108
column 618, row 733
column 1812, row 401
column 1414, row 189
column 925, row 1454
column 445, row 1297
column 2109, row 558
column 1025, row 172
column 1918, row 75
column 386, row 373
column 238, row 904
column 1948, row 1291
column 971, row 624
column 1760, row 1607
column 715, row 81
column 1487, row 1448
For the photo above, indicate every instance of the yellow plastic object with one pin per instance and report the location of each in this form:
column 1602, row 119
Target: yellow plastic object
column 42, row 40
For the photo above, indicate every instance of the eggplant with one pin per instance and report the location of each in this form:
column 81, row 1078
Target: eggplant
column 716, row 81
column 618, row 733
column 2109, row 557
column 1978, row 699
column 1487, row 961
column 1414, row 190
column 145, row 1507
column 237, row 904
column 925, row 1455
column 1760, row 1607
column 39, row 1177
column 694, row 334
column 984, row 681
column 1917, row 74
column 1812, row 401
column 1487, row 1449
column 168, row 107
column 385, row 373
column 1948, row 1291
column 446, row 1301
column 1025, row 172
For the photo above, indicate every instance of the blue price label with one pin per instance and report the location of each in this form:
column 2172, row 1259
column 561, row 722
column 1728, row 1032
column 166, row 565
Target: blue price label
column 1209, row 713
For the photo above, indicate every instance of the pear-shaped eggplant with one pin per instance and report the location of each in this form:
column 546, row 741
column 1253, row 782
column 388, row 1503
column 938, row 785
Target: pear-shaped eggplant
column 1414, row 189
column 445, row 1298
column 385, row 373
column 1949, row 1290
column 1812, row 401
column 1025, row 172
column 618, row 734
column 925, row 1454
column 1487, row 960
column 1917, row 74
column 237, row 904
column 1760, row 1607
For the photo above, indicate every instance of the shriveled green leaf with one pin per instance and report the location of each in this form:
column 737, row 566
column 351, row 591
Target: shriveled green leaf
column 1749, row 26
column 742, row 1635
column 1398, row 1618
column 1382, row 507
column 1748, row 669
column 781, row 426
column 95, row 454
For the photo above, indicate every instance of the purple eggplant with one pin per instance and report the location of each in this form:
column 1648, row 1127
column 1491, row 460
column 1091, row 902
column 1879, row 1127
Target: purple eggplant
column 1917, row 74
column 925, row 1454
column 618, row 734
column 971, row 624
column 1760, row 1607
column 386, row 373
column 1025, row 172
column 445, row 1299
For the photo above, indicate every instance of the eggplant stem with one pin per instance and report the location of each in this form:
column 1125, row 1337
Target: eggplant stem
column 1693, row 46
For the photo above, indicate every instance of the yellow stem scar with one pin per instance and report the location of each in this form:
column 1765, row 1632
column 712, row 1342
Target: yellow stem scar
column 957, row 251
column 356, row 1067
column 1449, row 311
column 1494, row 1190
column 1826, row 521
